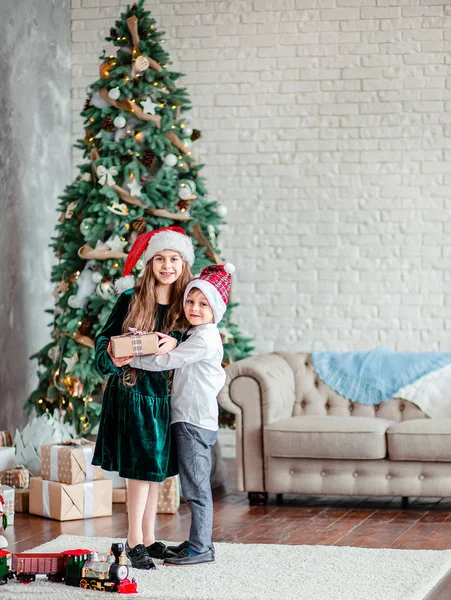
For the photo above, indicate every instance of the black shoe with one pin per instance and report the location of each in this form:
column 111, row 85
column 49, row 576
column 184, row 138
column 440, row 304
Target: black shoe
column 138, row 557
column 160, row 550
column 179, row 548
column 183, row 559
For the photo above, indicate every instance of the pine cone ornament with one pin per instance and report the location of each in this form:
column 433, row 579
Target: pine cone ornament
column 195, row 135
column 108, row 124
column 85, row 327
column 148, row 159
column 139, row 225
column 183, row 205
column 87, row 103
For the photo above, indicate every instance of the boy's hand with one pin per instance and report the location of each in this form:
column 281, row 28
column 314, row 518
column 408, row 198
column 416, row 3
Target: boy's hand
column 118, row 362
column 166, row 343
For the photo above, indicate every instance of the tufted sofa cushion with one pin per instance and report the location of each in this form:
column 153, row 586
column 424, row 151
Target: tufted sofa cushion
column 314, row 398
column 420, row 439
column 327, row 437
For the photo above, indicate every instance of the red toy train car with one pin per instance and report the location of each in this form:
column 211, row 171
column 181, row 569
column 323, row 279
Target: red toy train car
column 79, row 568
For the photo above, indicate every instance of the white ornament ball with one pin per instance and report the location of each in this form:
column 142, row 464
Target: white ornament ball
column 120, row 122
column 170, row 160
column 105, row 290
column 3, row 542
column 188, row 143
column 188, row 132
column 222, row 210
column 114, row 93
column 185, row 193
column 188, row 183
column 72, row 301
column 140, row 264
column 96, row 277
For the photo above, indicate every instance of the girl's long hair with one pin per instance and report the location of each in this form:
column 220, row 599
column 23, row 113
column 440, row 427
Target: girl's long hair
column 143, row 309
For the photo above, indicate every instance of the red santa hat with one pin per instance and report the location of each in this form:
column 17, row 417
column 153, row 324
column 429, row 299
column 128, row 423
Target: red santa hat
column 150, row 243
column 214, row 282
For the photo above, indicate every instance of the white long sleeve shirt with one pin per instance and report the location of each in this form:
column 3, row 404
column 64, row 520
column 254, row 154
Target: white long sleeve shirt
column 198, row 376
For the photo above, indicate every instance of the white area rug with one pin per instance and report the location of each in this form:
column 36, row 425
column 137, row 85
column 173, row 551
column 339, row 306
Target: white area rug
column 266, row 572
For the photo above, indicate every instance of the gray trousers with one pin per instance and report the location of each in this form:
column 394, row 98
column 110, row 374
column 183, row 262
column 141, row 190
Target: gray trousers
column 193, row 446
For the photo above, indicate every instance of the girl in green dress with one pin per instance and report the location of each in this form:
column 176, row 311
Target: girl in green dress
column 134, row 431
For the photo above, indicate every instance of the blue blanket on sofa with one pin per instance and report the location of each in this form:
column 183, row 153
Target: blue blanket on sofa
column 374, row 376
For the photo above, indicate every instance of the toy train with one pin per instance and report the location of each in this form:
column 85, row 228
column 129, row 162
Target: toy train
column 79, row 568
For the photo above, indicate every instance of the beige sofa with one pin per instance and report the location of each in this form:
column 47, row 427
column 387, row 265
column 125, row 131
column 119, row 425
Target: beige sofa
column 295, row 435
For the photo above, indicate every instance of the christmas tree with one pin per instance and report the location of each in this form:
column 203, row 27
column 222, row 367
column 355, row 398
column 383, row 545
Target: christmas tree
column 139, row 173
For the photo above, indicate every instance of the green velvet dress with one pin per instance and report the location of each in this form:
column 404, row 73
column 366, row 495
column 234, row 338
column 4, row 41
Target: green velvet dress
column 134, row 432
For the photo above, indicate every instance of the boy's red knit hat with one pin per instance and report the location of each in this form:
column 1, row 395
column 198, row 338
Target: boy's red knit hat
column 151, row 243
column 214, row 282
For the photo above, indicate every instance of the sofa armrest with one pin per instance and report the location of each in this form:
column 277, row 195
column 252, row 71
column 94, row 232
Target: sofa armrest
column 258, row 390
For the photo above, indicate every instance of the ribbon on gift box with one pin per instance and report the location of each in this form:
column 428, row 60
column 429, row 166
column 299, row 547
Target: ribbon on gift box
column 137, row 343
column 87, row 469
column 88, row 499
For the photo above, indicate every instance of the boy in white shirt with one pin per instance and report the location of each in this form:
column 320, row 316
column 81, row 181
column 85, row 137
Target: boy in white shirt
column 198, row 379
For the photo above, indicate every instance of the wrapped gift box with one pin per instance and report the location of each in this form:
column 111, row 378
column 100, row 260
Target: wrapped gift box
column 134, row 345
column 7, row 458
column 21, row 501
column 6, row 438
column 8, row 495
column 69, row 462
column 19, row 477
column 168, row 496
column 119, row 495
column 63, row 502
column 118, row 481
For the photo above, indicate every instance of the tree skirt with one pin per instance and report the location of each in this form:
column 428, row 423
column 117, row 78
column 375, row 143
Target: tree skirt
column 266, row 571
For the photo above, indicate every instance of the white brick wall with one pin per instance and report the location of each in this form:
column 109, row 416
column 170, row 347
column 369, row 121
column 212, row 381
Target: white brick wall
column 326, row 130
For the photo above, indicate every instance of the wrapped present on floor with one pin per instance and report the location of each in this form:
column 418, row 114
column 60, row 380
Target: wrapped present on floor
column 7, row 458
column 69, row 462
column 19, row 477
column 63, row 502
column 6, row 438
column 21, row 500
column 119, row 495
column 8, row 494
column 168, row 496
column 135, row 343
column 118, row 481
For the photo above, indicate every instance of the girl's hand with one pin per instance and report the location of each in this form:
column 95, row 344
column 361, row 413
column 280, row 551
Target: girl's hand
column 166, row 343
column 118, row 362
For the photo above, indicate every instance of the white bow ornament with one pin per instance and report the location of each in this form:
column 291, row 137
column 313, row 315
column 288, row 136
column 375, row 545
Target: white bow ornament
column 106, row 176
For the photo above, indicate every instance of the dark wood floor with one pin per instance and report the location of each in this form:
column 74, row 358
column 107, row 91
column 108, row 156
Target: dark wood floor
column 339, row 521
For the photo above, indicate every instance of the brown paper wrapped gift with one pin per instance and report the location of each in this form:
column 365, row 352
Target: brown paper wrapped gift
column 135, row 343
column 6, row 438
column 69, row 462
column 19, row 477
column 64, row 502
column 168, row 496
column 22, row 501
column 119, row 495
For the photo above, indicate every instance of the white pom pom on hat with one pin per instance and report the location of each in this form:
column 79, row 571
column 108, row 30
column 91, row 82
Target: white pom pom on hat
column 229, row 268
